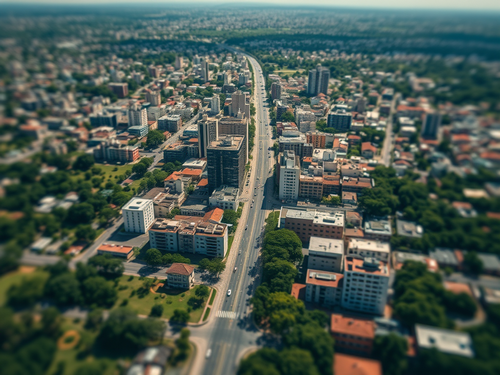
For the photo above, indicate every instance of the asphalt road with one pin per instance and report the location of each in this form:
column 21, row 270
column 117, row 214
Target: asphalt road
column 232, row 331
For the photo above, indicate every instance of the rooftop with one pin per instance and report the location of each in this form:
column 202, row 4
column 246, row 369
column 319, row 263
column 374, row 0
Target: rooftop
column 409, row 229
column 323, row 278
column 367, row 265
column 112, row 248
column 137, row 204
column 444, row 340
column 369, row 245
column 180, row 269
column 352, row 326
column 444, row 256
column 378, row 226
column 326, row 245
column 351, row 365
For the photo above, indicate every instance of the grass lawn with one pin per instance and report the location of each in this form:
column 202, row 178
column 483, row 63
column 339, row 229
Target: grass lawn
column 16, row 277
column 66, row 362
column 130, row 288
column 212, row 297
column 289, row 71
column 230, row 240
column 108, row 170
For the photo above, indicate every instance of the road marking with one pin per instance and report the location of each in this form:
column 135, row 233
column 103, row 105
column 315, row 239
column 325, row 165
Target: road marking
column 227, row 314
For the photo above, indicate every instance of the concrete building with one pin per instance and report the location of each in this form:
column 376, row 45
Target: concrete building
column 444, row 340
column 339, row 119
column 116, row 250
column 378, row 229
column 307, row 223
column 137, row 116
column 289, row 175
column 207, row 133
column 409, row 229
column 305, row 120
column 318, row 80
column 226, row 162
column 276, row 91
column 180, row 276
column 296, row 142
column 138, row 215
column 179, row 62
column 113, row 151
column 311, row 187
column 153, row 97
column 318, row 139
column 235, row 126
column 171, row 123
column 356, row 184
column 103, row 119
column 240, row 103
column 167, row 198
column 363, row 248
column 190, row 235
column 324, row 288
column 430, row 125
column 119, row 89
column 366, row 282
column 326, row 254
column 353, row 365
column 205, row 70
column 225, row 197
column 352, row 334
column 138, row 131
column 215, row 105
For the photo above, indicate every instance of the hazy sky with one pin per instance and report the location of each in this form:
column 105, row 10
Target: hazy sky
column 420, row 4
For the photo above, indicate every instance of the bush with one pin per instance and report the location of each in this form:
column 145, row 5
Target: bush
column 156, row 311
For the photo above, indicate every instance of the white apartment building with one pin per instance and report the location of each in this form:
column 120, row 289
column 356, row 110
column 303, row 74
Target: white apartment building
column 289, row 176
column 324, row 288
column 363, row 248
column 137, row 116
column 215, row 105
column 366, row 282
column 138, row 215
column 326, row 254
column 225, row 197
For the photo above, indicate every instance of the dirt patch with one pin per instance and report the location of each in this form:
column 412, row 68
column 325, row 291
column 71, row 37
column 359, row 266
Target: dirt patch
column 68, row 340
column 27, row 269
column 156, row 287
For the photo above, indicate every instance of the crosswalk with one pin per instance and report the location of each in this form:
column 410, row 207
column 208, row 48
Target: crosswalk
column 227, row 314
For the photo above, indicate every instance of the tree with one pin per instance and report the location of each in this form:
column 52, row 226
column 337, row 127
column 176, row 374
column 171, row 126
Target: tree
column 473, row 263
column 64, row 290
column 51, row 321
column 140, row 169
column 230, row 217
column 97, row 291
column 156, row 311
column 295, row 361
column 153, row 257
column 155, row 138
column 391, row 351
column 94, row 319
column 108, row 213
column 107, row 265
column 202, row 291
column 216, row 267
column 95, row 367
column 180, row 316
column 282, row 244
column 262, row 362
column 81, row 213
column 26, row 293
column 84, row 162
column 86, row 233
column 288, row 117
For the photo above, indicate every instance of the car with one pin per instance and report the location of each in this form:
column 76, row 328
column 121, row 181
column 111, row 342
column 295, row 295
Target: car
column 229, row 292
column 235, row 268
column 209, row 353
column 246, row 227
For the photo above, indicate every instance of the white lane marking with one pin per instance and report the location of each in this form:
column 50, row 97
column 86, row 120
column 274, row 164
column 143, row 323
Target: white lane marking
column 227, row 314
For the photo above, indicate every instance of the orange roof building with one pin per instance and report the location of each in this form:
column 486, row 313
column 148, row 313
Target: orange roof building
column 349, row 365
column 353, row 334
column 116, row 250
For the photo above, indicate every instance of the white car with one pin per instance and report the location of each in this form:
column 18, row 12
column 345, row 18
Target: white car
column 229, row 292
column 209, row 353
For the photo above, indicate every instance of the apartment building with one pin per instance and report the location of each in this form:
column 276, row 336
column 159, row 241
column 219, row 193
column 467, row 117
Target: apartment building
column 137, row 116
column 289, row 175
column 240, row 103
column 324, row 288
column 167, row 198
column 307, row 223
column 339, row 119
column 226, row 162
column 171, row 123
column 366, row 282
column 215, row 105
column 318, row 80
column 296, row 142
column 225, row 197
column 331, row 185
column 364, row 248
column 119, row 89
column 352, row 334
column 276, row 90
column 153, row 97
column 138, row 215
column 378, row 229
column 180, row 276
column 207, row 133
column 192, row 235
column 234, row 126
column 357, row 184
column 326, row 254
column 112, row 151
column 311, row 187
column 318, row 139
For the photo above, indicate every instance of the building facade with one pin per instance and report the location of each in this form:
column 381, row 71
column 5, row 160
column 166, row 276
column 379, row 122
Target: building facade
column 326, row 254
column 226, row 162
column 289, row 176
column 138, row 215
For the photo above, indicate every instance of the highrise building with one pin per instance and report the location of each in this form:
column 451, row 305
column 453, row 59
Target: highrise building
column 305, row 120
column 205, row 70
column 215, row 105
column 137, row 116
column 179, row 62
column 431, row 125
column 119, row 89
column 276, row 90
column 235, row 126
column 339, row 120
column 318, row 80
column 153, row 97
column 280, row 110
column 239, row 104
column 289, row 175
column 138, row 215
column 226, row 162
column 154, row 71
column 207, row 133
column 172, row 123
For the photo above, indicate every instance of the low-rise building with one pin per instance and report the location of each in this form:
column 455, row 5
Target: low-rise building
column 352, row 334
column 180, row 276
column 445, row 258
column 349, row 198
column 366, row 283
column 444, row 340
column 356, row 184
column 113, row 151
column 351, row 365
column 366, row 248
column 119, row 251
column 324, row 288
column 378, row 229
column 409, row 229
column 225, row 197
column 326, row 254
column 307, row 223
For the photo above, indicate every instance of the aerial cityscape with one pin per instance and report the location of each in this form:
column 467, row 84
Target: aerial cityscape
column 249, row 189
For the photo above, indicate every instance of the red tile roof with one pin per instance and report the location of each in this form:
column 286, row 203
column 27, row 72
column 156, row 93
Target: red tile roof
column 180, row 269
column 351, row 365
column 352, row 326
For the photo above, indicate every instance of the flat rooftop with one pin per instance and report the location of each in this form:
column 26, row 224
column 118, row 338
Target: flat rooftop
column 367, row 265
column 326, row 245
column 444, row 340
column 137, row 204
column 323, row 278
column 378, row 227
column 112, row 248
column 369, row 245
column 352, row 326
